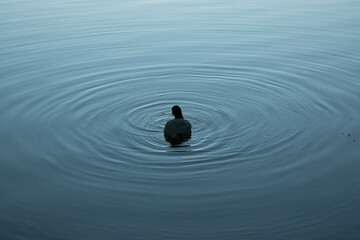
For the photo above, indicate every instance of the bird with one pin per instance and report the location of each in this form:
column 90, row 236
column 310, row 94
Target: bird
column 177, row 130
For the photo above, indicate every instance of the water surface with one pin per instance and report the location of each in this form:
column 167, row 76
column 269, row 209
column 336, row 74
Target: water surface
column 271, row 89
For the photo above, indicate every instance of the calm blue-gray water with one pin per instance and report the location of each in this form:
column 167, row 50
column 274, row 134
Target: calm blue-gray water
column 271, row 88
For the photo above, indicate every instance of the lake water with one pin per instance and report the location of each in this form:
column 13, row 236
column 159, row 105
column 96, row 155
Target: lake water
column 271, row 88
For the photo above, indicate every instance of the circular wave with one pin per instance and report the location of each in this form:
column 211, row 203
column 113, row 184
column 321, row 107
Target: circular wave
column 238, row 116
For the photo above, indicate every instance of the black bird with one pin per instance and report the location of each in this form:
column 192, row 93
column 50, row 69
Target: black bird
column 177, row 130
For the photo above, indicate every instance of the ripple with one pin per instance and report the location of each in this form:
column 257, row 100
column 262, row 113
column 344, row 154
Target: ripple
column 240, row 116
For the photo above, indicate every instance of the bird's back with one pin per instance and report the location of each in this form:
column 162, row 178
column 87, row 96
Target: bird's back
column 177, row 130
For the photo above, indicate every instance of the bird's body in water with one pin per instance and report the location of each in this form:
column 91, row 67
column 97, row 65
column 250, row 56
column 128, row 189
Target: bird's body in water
column 177, row 130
